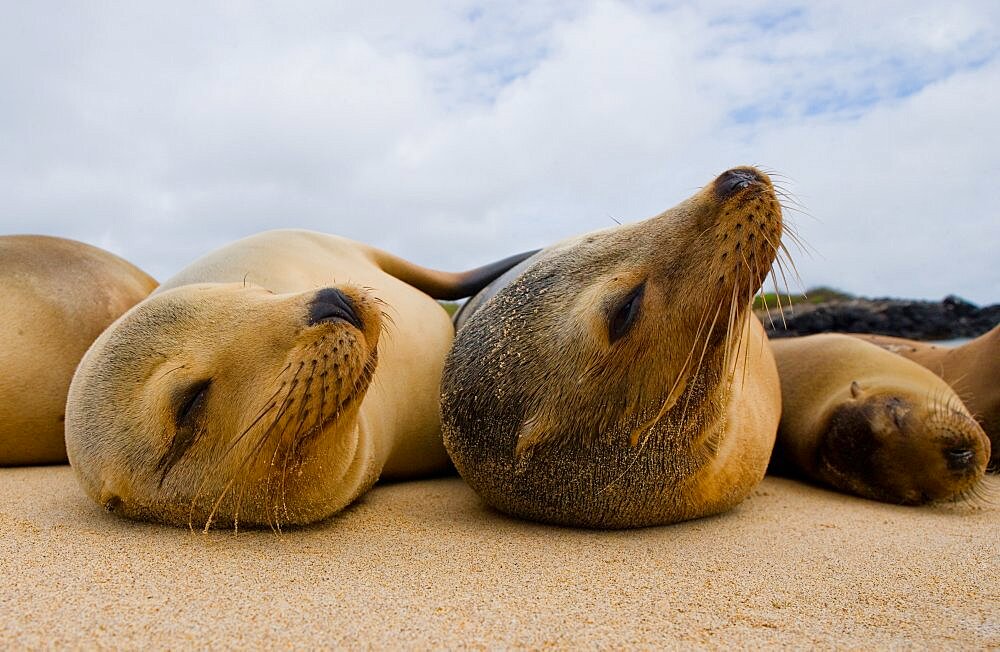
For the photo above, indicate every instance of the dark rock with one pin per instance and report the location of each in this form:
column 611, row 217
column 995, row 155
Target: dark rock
column 950, row 318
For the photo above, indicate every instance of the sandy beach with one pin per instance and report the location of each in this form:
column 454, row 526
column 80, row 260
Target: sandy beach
column 426, row 565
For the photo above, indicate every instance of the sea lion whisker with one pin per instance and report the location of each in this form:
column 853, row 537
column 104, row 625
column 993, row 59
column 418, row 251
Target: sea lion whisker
column 387, row 322
column 789, row 232
column 279, row 439
column 788, row 201
column 728, row 358
column 673, row 395
column 779, row 263
column 962, row 383
column 763, row 299
column 252, row 454
column 205, row 475
column 299, row 422
column 980, row 494
column 746, row 353
column 253, row 450
column 733, row 354
column 668, row 403
column 215, row 505
column 708, row 336
column 781, row 259
column 247, row 459
column 294, row 450
column 746, row 263
column 787, row 197
column 777, row 295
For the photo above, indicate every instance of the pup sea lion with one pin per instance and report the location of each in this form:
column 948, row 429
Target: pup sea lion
column 271, row 382
column 620, row 378
column 58, row 296
column 972, row 370
column 872, row 423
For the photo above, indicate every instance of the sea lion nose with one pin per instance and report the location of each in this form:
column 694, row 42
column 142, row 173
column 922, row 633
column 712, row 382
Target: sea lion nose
column 959, row 459
column 330, row 304
column 732, row 181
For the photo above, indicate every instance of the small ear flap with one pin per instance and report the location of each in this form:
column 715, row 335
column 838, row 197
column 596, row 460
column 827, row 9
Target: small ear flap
column 675, row 393
column 535, row 430
column 855, row 389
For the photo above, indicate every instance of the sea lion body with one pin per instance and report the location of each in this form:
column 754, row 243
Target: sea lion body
column 972, row 370
column 270, row 382
column 58, row 296
column 872, row 423
column 619, row 379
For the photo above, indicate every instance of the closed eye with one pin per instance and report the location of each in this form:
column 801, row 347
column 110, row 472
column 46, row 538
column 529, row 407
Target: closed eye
column 191, row 403
column 626, row 313
column 189, row 420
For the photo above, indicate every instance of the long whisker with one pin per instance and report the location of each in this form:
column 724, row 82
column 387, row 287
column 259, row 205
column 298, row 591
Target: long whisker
column 253, row 452
column 204, row 479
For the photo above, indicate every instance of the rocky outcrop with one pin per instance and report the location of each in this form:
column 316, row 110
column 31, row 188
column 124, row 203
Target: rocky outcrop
column 920, row 320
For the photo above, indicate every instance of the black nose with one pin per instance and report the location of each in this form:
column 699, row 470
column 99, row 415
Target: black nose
column 732, row 181
column 330, row 304
column 959, row 459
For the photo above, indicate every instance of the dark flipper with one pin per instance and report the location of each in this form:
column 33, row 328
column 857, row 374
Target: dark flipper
column 446, row 285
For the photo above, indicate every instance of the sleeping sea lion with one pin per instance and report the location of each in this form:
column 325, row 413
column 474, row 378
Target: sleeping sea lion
column 972, row 370
column 874, row 424
column 269, row 383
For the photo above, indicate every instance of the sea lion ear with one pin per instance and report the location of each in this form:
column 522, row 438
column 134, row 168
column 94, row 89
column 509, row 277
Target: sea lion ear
column 535, row 430
column 856, row 390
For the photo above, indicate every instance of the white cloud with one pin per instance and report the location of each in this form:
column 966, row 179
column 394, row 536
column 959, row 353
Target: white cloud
column 456, row 132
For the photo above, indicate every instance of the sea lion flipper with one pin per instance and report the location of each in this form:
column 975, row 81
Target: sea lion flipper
column 446, row 285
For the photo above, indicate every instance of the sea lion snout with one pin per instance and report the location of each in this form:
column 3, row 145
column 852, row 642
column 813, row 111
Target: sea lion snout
column 732, row 181
column 960, row 459
column 330, row 304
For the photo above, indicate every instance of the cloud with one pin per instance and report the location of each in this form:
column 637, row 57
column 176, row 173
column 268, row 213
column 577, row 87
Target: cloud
column 456, row 132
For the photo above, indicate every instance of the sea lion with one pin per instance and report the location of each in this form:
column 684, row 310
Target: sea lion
column 972, row 370
column 270, row 382
column 620, row 378
column 58, row 296
column 874, row 424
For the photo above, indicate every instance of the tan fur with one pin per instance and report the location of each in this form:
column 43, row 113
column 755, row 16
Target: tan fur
column 237, row 316
column 873, row 423
column 550, row 417
column 972, row 370
column 58, row 296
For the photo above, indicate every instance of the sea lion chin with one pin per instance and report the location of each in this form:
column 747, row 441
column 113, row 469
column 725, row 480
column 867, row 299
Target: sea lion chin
column 252, row 390
column 619, row 379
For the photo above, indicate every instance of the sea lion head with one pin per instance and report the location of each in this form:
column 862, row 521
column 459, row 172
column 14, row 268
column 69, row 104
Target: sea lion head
column 901, row 448
column 226, row 404
column 593, row 386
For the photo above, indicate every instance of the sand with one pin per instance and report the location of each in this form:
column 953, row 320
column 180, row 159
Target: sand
column 426, row 565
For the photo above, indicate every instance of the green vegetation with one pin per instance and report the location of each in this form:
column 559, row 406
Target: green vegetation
column 813, row 295
column 450, row 307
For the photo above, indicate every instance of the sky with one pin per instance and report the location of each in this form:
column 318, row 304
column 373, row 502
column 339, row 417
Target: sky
column 453, row 133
